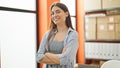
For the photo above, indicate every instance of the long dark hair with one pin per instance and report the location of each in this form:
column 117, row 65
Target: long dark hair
column 53, row 26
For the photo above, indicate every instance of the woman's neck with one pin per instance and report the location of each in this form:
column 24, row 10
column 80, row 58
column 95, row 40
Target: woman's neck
column 62, row 28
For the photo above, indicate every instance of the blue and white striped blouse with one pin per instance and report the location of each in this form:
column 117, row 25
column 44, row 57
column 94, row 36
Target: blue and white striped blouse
column 68, row 57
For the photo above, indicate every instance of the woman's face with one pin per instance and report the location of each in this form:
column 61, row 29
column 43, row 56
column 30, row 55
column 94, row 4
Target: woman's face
column 58, row 16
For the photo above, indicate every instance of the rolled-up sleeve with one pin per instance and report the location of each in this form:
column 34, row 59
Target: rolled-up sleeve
column 41, row 50
column 70, row 54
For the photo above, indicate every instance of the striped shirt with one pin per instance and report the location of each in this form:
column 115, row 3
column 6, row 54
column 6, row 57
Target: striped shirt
column 68, row 57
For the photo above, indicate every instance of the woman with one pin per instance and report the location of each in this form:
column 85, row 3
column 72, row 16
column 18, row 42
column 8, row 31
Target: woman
column 59, row 45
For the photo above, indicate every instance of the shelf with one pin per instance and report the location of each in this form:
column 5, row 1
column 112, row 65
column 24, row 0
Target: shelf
column 105, row 41
column 110, row 11
column 95, row 12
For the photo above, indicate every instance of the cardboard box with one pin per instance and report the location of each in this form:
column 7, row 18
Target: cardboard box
column 101, row 27
column 109, row 19
column 90, row 27
column 90, row 24
column 113, row 12
column 90, row 35
column 117, row 18
column 111, row 27
column 114, row 19
column 92, row 5
column 117, row 27
column 87, row 66
column 110, row 4
column 91, row 20
column 102, row 20
column 117, row 35
column 107, row 35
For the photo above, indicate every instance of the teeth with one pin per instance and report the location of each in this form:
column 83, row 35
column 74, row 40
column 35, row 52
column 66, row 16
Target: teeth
column 56, row 18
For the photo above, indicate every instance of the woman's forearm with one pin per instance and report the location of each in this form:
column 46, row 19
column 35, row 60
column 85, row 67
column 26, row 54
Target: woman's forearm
column 47, row 60
column 53, row 57
column 50, row 58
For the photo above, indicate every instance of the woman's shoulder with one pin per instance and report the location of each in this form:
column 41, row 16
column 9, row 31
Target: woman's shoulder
column 72, row 33
column 75, row 32
column 46, row 33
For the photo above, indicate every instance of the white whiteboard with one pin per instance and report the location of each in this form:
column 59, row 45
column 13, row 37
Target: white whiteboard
column 17, row 39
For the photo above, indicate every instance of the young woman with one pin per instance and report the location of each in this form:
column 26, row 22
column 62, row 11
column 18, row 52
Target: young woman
column 59, row 45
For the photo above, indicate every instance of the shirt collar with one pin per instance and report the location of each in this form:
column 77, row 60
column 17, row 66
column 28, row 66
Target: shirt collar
column 69, row 30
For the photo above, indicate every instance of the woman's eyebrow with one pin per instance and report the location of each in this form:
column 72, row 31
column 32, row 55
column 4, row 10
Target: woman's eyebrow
column 55, row 10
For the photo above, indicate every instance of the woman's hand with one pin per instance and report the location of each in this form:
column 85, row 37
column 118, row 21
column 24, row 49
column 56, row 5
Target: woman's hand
column 64, row 49
column 54, row 58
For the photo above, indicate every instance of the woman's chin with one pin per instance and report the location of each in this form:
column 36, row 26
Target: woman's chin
column 56, row 23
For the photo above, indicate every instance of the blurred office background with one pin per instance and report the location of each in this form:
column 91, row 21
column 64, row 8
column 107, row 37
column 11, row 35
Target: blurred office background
column 24, row 22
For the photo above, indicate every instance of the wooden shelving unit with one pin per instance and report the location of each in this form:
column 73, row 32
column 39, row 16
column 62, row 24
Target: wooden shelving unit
column 95, row 13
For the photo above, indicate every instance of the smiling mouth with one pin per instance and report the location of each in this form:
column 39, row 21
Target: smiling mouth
column 56, row 19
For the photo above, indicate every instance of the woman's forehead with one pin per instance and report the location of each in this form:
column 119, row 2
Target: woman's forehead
column 55, row 8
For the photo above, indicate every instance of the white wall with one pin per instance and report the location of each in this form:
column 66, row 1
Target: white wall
column 71, row 6
column 17, row 39
column 20, row 4
column 73, row 19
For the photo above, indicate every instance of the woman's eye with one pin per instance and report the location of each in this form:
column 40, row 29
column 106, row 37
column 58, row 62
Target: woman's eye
column 57, row 11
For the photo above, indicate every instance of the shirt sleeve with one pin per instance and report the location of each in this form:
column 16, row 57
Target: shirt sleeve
column 70, row 54
column 41, row 50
